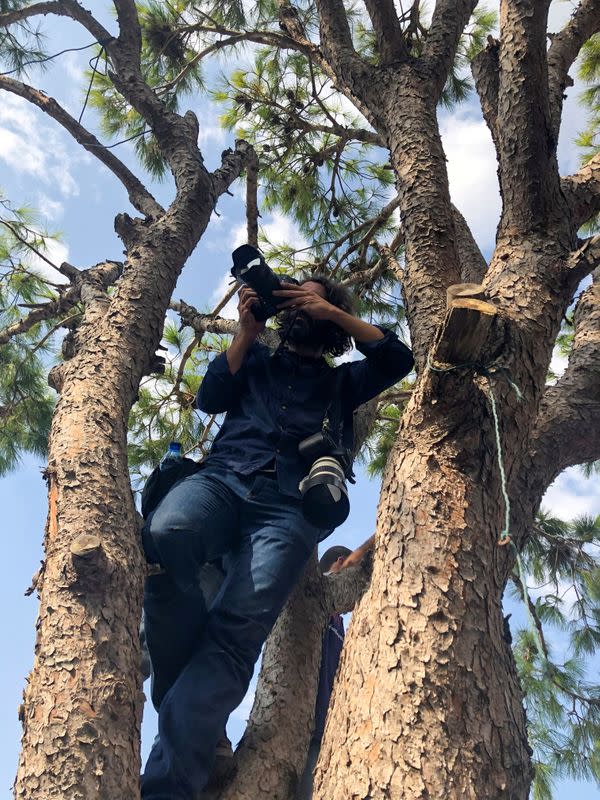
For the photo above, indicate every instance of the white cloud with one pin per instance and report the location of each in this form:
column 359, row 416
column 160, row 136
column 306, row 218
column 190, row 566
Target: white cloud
column 49, row 208
column 211, row 133
column 472, row 173
column 56, row 252
column 572, row 495
column 281, row 230
column 30, row 145
column 74, row 65
column 239, row 235
column 229, row 311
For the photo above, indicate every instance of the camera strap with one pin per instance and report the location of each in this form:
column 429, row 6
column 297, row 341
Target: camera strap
column 333, row 421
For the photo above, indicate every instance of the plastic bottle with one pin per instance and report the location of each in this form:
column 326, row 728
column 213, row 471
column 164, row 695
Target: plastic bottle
column 171, row 457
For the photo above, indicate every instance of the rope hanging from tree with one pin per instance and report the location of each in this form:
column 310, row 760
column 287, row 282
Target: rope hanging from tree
column 488, row 371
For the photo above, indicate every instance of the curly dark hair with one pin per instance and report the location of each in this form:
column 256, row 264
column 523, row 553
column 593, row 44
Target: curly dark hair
column 335, row 340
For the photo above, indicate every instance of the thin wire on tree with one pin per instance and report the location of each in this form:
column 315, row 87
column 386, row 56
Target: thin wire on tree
column 96, row 61
column 48, row 58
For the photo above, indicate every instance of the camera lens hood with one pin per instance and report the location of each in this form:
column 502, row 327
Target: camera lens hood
column 325, row 502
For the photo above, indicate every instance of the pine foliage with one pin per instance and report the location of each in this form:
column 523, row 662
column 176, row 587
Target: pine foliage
column 26, row 401
column 589, row 73
column 562, row 697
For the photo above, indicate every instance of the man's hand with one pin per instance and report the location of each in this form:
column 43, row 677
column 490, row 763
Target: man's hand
column 249, row 326
column 249, row 330
column 356, row 556
column 317, row 307
column 337, row 565
column 306, row 300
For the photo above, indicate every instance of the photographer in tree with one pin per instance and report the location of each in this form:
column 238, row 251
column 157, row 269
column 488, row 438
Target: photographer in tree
column 245, row 504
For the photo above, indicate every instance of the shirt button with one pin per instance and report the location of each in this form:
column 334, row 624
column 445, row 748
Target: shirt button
column 278, row 450
column 283, row 408
column 290, row 386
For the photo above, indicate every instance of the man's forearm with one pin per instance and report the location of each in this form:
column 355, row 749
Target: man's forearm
column 356, row 556
column 360, row 330
column 236, row 352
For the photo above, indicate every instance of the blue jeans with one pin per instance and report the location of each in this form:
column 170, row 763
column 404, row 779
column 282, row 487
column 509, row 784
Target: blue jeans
column 203, row 658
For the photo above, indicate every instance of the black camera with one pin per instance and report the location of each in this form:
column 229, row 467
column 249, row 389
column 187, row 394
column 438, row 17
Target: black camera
column 250, row 268
column 325, row 501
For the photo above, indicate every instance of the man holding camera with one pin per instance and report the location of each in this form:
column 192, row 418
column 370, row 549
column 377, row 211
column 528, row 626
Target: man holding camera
column 245, row 505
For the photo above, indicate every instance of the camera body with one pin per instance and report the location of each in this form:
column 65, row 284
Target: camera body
column 251, row 269
column 321, row 444
column 325, row 501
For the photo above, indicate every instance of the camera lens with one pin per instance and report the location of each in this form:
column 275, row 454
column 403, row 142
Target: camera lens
column 325, row 502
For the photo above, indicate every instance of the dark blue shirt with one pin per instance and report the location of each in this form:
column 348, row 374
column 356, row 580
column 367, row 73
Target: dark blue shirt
column 333, row 641
column 276, row 400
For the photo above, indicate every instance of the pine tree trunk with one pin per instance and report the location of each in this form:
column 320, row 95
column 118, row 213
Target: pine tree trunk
column 83, row 701
column 427, row 703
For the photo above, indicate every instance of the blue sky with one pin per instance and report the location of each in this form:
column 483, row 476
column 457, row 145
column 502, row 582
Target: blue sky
column 77, row 196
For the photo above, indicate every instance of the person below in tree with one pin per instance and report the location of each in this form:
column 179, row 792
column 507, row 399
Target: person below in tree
column 245, row 504
column 332, row 561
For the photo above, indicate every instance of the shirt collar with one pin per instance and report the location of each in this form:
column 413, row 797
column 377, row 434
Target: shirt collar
column 306, row 362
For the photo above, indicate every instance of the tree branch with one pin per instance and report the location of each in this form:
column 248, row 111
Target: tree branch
column 232, row 164
column 449, row 20
column 533, row 612
column 584, row 22
column 485, row 69
column 202, row 323
column 344, row 590
column 293, row 38
column 177, row 136
column 62, row 8
column 568, row 426
column 373, row 223
column 101, row 275
column 252, row 213
column 233, row 39
column 585, row 260
column 339, row 53
column 582, row 190
column 139, row 197
column 130, row 33
column 390, row 40
column 473, row 265
column 336, row 38
column 529, row 181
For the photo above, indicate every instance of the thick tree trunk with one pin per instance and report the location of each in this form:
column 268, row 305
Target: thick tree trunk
column 431, row 247
column 83, row 702
column 429, row 704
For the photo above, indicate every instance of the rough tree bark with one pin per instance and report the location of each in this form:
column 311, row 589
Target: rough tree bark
column 82, row 705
